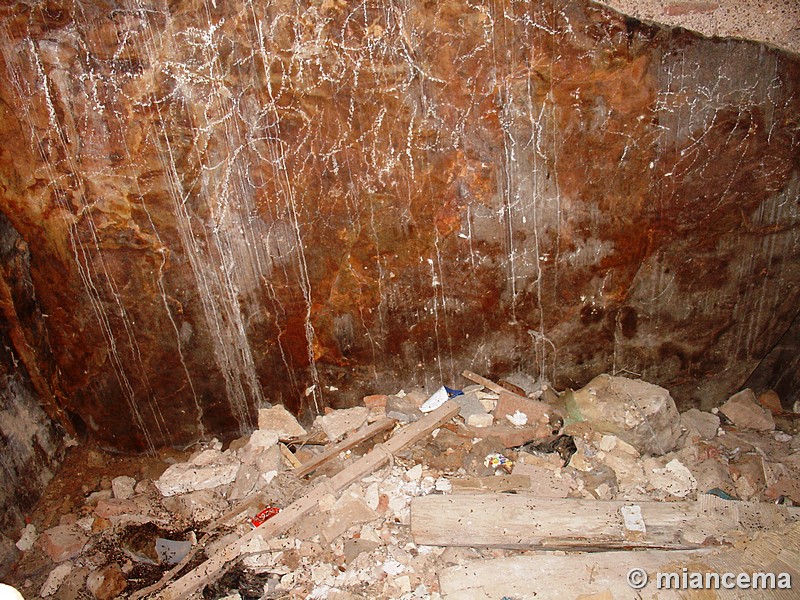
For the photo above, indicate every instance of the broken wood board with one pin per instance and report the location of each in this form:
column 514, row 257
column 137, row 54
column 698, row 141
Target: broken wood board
column 512, row 521
column 601, row 575
column 487, row 383
column 237, row 511
column 350, row 442
column 290, row 458
column 552, row 577
column 491, row 483
column 254, row 541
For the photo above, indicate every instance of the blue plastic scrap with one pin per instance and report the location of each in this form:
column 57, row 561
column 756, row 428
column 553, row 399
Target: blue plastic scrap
column 721, row 494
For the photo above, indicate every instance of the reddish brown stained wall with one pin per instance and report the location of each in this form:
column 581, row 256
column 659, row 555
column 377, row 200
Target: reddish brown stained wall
column 229, row 205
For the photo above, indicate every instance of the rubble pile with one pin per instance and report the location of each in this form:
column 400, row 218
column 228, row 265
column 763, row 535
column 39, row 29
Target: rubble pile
column 343, row 517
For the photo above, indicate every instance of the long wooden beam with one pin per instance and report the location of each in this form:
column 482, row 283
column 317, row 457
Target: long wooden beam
column 524, row 522
column 347, row 443
column 605, row 575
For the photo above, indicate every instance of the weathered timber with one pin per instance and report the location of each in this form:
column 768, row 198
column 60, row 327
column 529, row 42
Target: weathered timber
column 604, row 575
column 491, row 483
column 291, row 459
column 487, row 383
column 351, row 441
column 512, row 521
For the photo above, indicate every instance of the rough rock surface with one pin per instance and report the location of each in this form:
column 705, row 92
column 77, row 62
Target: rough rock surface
column 281, row 421
column 705, row 424
column 339, row 422
column 186, row 477
column 62, row 542
column 233, row 203
column 744, row 411
column 640, row 413
column 106, row 583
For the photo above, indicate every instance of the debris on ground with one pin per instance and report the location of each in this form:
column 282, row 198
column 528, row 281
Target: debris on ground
column 411, row 494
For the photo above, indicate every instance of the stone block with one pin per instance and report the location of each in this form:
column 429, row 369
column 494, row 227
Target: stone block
column 509, row 404
column 245, row 481
column 704, row 423
column 674, row 478
column 748, row 476
column 470, row 405
column 184, row 477
column 743, row 410
column 281, row 421
column 417, row 397
column 27, row 538
column 349, row 510
column 520, row 383
column 54, row 580
column 208, row 456
column 480, row 420
column 106, row 583
column 376, row 413
column 353, row 547
column 711, row 474
column 123, row 487
column 62, row 542
column 788, row 487
column 261, row 446
column 341, row 422
column 770, row 400
column 640, row 413
column 268, row 459
column 115, row 507
column 511, row 436
column 376, row 400
column 199, row 506
column 402, row 409
column 95, row 497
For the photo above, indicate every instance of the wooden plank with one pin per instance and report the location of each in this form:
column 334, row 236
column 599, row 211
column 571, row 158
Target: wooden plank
column 245, row 505
column 487, row 383
column 351, row 441
column 552, row 577
column 291, row 459
column 491, row 483
column 605, row 574
column 513, row 521
column 252, row 542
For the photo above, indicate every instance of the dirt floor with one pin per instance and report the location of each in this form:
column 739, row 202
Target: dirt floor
column 85, row 470
column 359, row 540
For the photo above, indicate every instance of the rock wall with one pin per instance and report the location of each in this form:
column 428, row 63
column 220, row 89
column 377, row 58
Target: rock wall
column 31, row 445
column 234, row 203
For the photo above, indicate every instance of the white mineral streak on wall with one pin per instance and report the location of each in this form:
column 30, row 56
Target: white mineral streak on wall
column 92, row 268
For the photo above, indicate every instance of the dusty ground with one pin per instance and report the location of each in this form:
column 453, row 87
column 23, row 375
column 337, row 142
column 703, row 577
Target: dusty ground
column 359, row 545
column 86, row 469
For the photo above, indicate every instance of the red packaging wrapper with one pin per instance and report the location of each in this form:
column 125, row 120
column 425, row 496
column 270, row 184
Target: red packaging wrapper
column 264, row 516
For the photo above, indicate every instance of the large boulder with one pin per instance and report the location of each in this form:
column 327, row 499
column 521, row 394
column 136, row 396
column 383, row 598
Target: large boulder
column 640, row 413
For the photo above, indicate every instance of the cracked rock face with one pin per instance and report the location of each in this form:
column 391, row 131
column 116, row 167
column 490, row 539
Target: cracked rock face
column 233, row 204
